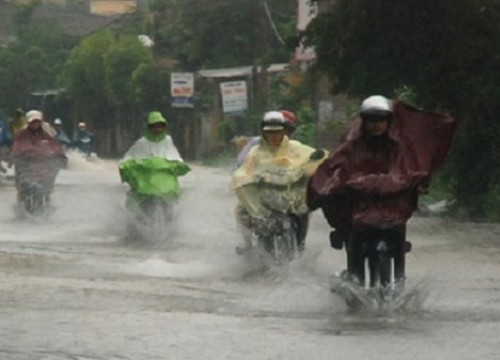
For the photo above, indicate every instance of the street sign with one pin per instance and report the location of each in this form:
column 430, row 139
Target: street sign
column 234, row 96
column 182, row 89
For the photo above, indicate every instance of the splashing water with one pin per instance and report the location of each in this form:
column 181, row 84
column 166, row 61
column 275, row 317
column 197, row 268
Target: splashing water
column 380, row 301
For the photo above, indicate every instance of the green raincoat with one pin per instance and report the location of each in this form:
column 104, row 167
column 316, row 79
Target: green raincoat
column 153, row 176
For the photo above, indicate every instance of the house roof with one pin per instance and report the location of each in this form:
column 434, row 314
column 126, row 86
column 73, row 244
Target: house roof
column 76, row 23
column 240, row 71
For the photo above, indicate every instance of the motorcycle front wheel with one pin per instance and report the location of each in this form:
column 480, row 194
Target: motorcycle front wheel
column 33, row 200
column 158, row 214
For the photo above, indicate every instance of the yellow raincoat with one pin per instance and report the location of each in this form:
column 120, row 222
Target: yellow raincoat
column 275, row 178
column 18, row 123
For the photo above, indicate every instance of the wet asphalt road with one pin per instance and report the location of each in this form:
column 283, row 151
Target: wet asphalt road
column 72, row 288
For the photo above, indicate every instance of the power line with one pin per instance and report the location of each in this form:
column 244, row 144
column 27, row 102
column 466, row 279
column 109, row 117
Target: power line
column 283, row 15
column 273, row 25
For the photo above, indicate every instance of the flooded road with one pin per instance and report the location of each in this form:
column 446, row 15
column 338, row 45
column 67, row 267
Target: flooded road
column 72, row 288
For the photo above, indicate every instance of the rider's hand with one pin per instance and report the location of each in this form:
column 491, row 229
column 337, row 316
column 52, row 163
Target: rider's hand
column 258, row 178
column 317, row 154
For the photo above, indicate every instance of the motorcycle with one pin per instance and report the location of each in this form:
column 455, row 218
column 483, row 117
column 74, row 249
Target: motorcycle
column 84, row 145
column 35, row 178
column 375, row 277
column 376, row 257
column 154, row 189
column 275, row 203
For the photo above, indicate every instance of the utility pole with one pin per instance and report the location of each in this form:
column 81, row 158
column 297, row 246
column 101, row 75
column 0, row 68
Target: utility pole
column 260, row 73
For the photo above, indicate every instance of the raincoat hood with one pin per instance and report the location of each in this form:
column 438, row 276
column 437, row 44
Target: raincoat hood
column 155, row 117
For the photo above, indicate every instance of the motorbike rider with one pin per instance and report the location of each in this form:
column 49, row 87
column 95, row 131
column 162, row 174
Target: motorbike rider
column 17, row 122
column 370, row 185
column 45, row 125
column 5, row 143
column 290, row 126
column 274, row 150
column 34, row 146
column 61, row 135
column 83, row 139
column 155, row 142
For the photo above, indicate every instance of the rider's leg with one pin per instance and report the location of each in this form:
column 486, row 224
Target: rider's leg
column 355, row 256
column 303, row 226
column 243, row 223
column 399, row 253
column 19, row 194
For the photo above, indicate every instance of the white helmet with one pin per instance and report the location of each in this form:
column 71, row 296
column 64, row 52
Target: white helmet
column 272, row 121
column 57, row 121
column 376, row 105
column 33, row 115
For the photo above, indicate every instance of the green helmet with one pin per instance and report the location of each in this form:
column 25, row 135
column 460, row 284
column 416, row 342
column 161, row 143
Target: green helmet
column 155, row 117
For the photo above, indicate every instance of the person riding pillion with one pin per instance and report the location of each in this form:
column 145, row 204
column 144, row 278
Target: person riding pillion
column 274, row 151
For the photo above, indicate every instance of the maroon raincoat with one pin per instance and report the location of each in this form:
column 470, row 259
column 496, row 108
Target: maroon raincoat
column 37, row 144
column 375, row 181
column 36, row 154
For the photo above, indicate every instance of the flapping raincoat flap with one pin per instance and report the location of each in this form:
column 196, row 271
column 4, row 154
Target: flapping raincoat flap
column 356, row 185
column 154, row 176
column 427, row 135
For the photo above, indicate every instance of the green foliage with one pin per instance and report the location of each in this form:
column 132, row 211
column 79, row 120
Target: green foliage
column 219, row 33
column 149, row 81
column 226, row 130
column 123, row 58
column 306, row 126
column 441, row 55
column 112, row 79
column 441, row 189
column 33, row 60
column 406, row 94
column 247, row 124
column 105, row 71
column 85, row 76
